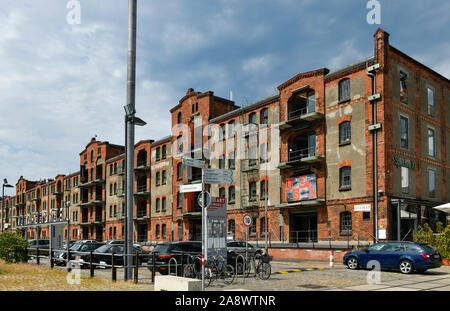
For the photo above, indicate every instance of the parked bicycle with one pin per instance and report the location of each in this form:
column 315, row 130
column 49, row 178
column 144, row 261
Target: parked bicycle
column 218, row 269
column 259, row 264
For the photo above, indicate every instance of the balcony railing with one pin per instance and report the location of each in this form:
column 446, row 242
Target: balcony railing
column 141, row 213
column 302, row 153
column 141, row 188
column 303, row 236
column 141, row 163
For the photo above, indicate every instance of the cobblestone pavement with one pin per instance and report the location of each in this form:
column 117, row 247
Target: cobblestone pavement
column 338, row 278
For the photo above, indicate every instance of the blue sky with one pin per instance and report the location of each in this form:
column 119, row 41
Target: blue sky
column 62, row 84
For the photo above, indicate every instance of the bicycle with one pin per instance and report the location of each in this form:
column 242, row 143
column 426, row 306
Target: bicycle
column 218, row 269
column 260, row 264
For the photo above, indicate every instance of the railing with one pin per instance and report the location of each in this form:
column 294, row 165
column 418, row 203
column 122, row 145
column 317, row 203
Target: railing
column 141, row 188
column 302, row 111
column 303, row 236
column 141, row 213
column 98, row 218
column 141, row 163
column 302, row 153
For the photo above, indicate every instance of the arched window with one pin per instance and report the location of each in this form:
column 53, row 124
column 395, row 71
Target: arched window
column 345, row 132
column 264, row 116
column 179, row 117
column 346, row 223
column 344, row 90
column 222, row 132
column 301, row 103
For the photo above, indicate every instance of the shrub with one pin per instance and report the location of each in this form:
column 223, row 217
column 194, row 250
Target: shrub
column 440, row 241
column 13, row 248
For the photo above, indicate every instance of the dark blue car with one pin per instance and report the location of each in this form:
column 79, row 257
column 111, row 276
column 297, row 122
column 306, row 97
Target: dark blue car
column 404, row 256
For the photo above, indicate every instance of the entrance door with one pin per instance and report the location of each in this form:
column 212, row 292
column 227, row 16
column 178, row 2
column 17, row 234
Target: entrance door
column 303, row 228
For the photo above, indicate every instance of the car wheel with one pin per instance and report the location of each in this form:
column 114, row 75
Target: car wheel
column 352, row 263
column 405, row 266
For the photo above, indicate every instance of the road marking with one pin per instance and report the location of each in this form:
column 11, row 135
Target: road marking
column 298, row 270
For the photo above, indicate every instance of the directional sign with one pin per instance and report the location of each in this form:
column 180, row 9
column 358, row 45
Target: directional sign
column 247, row 220
column 218, row 176
column 190, row 188
column 193, row 162
column 207, row 199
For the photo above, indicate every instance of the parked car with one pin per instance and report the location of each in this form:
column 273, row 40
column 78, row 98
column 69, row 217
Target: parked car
column 79, row 246
column 165, row 251
column 404, row 256
column 121, row 242
column 238, row 247
column 103, row 255
column 43, row 243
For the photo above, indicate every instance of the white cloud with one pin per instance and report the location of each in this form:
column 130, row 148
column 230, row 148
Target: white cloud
column 258, row 64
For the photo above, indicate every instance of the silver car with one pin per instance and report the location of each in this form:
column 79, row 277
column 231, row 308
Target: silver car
column 239, row 248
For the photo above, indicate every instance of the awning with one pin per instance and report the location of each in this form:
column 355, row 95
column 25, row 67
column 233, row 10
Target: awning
column 443, row 208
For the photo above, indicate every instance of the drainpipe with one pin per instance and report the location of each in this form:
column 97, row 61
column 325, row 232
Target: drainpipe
column 375, row 152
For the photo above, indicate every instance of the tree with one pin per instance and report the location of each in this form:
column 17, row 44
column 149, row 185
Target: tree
column 13, row 248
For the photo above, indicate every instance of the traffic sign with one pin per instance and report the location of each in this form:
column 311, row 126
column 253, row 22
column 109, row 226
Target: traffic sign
column 193, row 162
column 248, row 221
column 190, row 188
column 207, row 199
column 218, row 176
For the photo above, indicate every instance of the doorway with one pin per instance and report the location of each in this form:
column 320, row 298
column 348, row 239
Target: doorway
column 303, row 228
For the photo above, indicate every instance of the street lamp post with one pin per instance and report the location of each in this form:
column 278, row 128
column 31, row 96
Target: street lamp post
column 4, row 213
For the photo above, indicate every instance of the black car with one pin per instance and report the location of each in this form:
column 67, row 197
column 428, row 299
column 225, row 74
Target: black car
column 80, row 246
column 43, row 243
column 166, row 251
column 103, row 255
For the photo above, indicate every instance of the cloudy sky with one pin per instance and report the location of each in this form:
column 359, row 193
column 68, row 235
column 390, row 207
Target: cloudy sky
column 61, row 84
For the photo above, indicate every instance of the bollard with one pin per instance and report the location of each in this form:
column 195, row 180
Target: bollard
column 91, row 266
column 331, row 259
column 136, row 268
column 113, row 269
column 37, row 255
column 182, row 264
column 51, row 259
column 153, row 267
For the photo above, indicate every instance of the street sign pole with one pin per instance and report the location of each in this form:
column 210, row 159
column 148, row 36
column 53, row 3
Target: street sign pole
column 204, row 229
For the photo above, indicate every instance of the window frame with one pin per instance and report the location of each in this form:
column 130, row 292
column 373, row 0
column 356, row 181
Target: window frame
column 345, row 127
column 342, row 170
column 345, row 218
column 344, row 83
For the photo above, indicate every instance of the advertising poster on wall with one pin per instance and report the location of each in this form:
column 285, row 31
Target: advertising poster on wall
column 301, row 188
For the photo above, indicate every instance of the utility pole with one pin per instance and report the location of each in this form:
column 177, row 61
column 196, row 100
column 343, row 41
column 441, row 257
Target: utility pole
column 131, row 88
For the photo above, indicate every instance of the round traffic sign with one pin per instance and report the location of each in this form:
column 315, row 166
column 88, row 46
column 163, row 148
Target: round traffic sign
column 248, row 221
column 207, row 199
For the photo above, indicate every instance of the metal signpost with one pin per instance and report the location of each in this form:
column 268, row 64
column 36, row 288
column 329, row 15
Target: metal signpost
column 248, row 221
column 209, row 176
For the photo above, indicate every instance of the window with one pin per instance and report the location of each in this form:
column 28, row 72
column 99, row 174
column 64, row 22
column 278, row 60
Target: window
column 252, row 155
column 253, row 227
column 264, row 116
column 231, row 161
column 179, row 117
column 405, row 180
column 344, row 90
column 263, row 189
column 262, row 226
column 163, row 204
column 345, row 132
column 346, row 223
column 252, row 118
column 157, row 178
column 430, row 96
column 164, row 152
column 404, row 139
column 163, row 177
column 345, row 181
column 366, row 215
column 403, row 87
column 157, row 231
column 231, row 194
column 231, row 226
column 179, row 171
column 179, row 200
column 193, row 108
column 253, row 193
column 180, row 144
column 221, row 161
column 163, row 231
column 431, row 147
column 432, row 183
column 158, row 206
column 263, row 149
column 158, row 151
column 222, row 132
column 115, row 189
column 110, row 189
column 231, row 129
column 222, row 192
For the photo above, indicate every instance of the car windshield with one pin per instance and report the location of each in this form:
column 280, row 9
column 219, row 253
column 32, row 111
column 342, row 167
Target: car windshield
column 76, row 246
column 164, row 248
column 102, row 249
column 376, row 247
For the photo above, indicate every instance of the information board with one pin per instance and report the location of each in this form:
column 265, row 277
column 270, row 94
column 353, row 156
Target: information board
column 301, row 188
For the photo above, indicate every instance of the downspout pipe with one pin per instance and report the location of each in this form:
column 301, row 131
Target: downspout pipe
column 375, row 152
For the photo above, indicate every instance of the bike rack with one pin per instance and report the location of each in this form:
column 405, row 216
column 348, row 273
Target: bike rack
column 243, row 267
column 176, row 266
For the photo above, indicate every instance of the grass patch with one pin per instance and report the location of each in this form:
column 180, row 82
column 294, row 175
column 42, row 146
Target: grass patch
column 31, row 277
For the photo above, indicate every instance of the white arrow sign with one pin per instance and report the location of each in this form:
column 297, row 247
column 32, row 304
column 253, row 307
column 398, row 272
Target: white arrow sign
column 193, row 162
column 218, row 176
column 190, row 188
